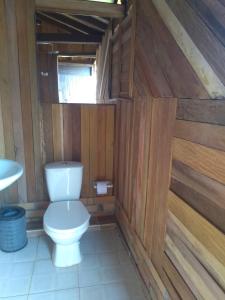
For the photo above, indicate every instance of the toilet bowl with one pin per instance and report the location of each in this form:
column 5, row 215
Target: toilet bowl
column 66, row 219
column 65, row 222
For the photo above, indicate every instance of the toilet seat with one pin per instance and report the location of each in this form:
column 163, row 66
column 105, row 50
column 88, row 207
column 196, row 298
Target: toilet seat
column 66, row 216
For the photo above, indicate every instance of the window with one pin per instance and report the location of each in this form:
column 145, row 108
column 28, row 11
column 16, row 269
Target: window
column 76, row 83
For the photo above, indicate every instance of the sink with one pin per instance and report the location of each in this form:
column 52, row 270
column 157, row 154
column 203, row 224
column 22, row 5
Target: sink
column 10, row 171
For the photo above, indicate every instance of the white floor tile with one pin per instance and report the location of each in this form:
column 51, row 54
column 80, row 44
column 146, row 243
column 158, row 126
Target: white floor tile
column 45, row 246
column 109, row 259
column 118, row 291
column 51, row 282
column 112, row 274
column 90, row 261
column 71, row 294
column 89, row 277
column 88, row 246
column 106, row 271
column 28, row 253
column 15, row 270
column 43, row 267
column 14, row 286
column 6, row 257
column 92, row 293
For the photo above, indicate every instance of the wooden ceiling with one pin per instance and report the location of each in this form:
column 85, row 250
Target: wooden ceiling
column 74, row 28
column 86, row 24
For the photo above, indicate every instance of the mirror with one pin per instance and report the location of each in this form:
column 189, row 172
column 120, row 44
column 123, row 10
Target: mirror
column 67, row 60
column 75, row 74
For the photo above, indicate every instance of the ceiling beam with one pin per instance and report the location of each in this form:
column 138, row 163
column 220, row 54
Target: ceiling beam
column 103, row 20
column 56, row 20
column 87, row 8
column 63, row 38
column 87, row 21
column 66, row 19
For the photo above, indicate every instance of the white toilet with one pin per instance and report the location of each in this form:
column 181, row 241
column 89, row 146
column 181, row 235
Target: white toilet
column 66, row 219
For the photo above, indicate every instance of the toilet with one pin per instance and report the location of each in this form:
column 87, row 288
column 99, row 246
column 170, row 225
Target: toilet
column 66, row 218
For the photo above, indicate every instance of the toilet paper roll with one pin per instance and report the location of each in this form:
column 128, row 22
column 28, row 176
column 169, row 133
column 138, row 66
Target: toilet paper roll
column 101, row 187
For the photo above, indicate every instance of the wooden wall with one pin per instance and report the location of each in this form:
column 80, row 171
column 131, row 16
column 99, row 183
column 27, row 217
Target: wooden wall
column 34, row 133
column 170, row 149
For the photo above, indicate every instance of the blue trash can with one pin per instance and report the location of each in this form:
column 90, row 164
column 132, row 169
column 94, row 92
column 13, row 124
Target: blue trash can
column 13, row 236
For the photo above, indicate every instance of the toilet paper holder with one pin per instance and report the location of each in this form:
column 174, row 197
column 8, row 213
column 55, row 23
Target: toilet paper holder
column 109, row 184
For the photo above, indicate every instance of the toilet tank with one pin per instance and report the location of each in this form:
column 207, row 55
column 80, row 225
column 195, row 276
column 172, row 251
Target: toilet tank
column 64, row 180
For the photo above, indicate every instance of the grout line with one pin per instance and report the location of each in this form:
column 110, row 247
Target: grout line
column 35, row 259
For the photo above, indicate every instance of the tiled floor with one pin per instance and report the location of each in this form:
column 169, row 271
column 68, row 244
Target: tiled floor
column 106, row 273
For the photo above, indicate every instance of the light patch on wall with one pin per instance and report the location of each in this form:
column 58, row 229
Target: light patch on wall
column 209, row 79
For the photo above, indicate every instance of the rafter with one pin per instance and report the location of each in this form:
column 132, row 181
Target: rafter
column 87, row 8
column 66, row 19
column 69, row 26
column 87, row 21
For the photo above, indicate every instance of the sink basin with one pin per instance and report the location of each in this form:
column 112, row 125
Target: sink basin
column 10, row 171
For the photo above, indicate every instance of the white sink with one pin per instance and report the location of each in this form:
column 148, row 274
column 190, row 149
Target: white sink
column 10, row 171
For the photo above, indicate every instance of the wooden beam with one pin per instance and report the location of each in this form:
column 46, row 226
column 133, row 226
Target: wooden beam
column 81, row 8
column 87, row 21
column 103, row 20
column 63, row 22
column 43, row 38
column 70, row 21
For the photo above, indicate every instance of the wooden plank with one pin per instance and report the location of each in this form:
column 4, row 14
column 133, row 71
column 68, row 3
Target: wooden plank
column 85, row 146
column 144, row 263
column 26, row 95
column 57, row 124
column 206, row 161
column 204, row 39
column 166, row 56
column 200, row 192
column 94, row 145
column 82, row 8
column 48, row 151
column 206, row 74
column 207, row 259
column 196, row 277
column 212, row 12
column 117, row 147
column 76, row 132
column 5, row 86
column 142, row 148
column 162, row 125
column 205, row 186
column 101, row 142
column 35, row 105
column 170, row 288
column 67, row 131
column 110, row 124
column 207, row 111
column 207, row 234
column 15, row 97
column 209, row 135
column 176, row 280
column 127, row 201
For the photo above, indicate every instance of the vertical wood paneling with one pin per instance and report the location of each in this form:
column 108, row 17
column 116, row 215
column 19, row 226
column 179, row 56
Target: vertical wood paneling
column 85, row 146
column 179, row 52
column 57, row 125
column 15, row 96
column 25, row 94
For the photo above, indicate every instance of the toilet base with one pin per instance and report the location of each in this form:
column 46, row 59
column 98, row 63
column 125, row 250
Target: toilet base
column 66, row 255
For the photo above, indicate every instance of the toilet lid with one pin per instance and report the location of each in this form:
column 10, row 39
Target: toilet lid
column 65, row 215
